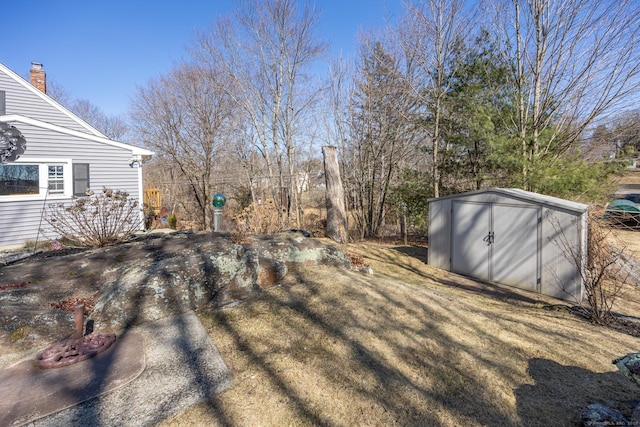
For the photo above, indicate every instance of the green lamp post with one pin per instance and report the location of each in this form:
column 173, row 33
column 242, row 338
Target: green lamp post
column 218, row 202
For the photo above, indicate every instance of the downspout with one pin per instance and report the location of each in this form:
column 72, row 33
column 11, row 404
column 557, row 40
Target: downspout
column 137, row 159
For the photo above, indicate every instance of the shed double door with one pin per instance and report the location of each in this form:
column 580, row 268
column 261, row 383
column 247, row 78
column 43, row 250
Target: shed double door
column 496, row 242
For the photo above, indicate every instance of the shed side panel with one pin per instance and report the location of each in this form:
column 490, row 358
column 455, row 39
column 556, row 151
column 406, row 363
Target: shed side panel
column 440, row 234
column 561, row 255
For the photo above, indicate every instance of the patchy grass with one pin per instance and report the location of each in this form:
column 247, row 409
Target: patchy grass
column 17, row 334
column 411, row 345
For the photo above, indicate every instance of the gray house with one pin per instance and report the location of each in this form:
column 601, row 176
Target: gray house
column 63, row 157
column 513, row 237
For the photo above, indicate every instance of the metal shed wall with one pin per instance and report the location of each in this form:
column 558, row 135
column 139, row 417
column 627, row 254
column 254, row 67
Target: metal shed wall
column 510, row 236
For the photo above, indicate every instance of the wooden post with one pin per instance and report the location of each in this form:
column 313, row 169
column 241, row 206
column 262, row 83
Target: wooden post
column 403, row 228
column 336, row 228
column 79, row 321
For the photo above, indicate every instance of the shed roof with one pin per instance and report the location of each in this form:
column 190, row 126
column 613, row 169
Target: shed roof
column 519, row 194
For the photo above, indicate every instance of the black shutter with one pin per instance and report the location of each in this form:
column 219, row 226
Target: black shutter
column 3, row 104
column 81, row 181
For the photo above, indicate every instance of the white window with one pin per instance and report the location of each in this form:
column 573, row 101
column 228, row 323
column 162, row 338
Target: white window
column 55, row 179
column 35, row 179
column 17, row 180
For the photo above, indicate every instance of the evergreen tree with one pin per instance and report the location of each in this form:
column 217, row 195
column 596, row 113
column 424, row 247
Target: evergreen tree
column 477, row 109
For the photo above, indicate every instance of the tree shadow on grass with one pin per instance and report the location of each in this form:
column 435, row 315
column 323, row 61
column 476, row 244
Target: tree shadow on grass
column 569, row 389
column 417, row 252
column 392, row 372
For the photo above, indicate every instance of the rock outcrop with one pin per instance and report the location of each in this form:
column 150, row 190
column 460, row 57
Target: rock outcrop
column 203, row 269
column 629, row 365
column 151, row 278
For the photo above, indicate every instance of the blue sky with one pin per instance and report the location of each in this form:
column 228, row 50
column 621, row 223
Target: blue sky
column 101, row 50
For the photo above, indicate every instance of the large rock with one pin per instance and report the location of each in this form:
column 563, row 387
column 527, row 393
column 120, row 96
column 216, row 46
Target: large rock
column 598, row 415
column 146, row 279
column 629, row 365
column 197, row 269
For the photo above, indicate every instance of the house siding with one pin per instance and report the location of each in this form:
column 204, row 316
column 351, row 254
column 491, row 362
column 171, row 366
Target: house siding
column 55, row 135
column 108, row 166
column 28, row 102
column 20, row 222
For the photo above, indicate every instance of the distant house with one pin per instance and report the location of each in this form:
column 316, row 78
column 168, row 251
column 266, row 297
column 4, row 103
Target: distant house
column 63, row 157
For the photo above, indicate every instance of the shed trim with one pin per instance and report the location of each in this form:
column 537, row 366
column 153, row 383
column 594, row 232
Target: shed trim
column 523, row 195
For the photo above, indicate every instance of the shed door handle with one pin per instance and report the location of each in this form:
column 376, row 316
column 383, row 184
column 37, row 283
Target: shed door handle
column 488, row 238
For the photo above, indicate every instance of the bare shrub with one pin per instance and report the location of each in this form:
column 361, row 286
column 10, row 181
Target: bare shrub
column 315, row 224
column 95, row 221
column 605, row 270
column 257, row 218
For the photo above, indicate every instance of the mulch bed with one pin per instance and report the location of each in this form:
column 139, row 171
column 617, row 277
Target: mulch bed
column 14, row 285
column 70, row 304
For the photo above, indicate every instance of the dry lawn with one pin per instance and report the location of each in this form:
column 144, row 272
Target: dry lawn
column 410, row 345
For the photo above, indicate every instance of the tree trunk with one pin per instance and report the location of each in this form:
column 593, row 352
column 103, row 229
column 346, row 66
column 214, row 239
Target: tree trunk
column 336, row 228
column 403, row 228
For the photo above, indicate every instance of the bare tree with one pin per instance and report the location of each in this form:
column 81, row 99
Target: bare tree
column 430, row 34
column 58, row 92
column 113, row 127
column 244, row 151
column 604, row 270
column 618, row 136
column 266, row 51
column 379, row 134
column 574, row 61
column 187, row 116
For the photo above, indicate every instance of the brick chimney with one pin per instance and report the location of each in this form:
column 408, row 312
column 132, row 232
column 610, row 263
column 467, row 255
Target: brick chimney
column 38, row 77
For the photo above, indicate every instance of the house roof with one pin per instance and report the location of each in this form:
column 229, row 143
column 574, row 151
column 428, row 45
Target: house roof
column 46, row 98
column 101, row 139
column 519, row 194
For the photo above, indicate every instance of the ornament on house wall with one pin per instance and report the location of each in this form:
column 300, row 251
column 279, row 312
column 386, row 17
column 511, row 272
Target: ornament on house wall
column 12, row 143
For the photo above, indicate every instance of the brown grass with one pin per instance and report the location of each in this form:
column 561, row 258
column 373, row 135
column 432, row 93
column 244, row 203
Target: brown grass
column 411, row 345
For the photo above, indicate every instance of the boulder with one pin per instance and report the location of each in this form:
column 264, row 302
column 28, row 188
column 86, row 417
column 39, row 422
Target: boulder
column 184, row 272
column 598, row 415
column 629, row 365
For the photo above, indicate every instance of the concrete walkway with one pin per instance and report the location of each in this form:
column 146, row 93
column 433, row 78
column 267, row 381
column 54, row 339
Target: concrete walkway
column 176, row 367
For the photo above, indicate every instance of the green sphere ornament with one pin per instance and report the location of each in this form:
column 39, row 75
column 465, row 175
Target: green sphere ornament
column 218, row 200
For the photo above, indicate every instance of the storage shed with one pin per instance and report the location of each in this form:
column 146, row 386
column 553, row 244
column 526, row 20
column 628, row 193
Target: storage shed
column 513, row 237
